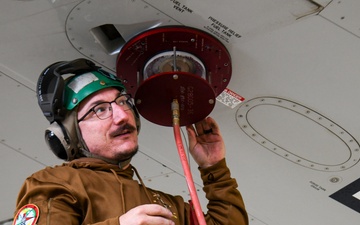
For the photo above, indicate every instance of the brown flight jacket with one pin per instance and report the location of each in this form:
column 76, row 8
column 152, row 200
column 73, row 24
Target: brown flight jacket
column 90, row 191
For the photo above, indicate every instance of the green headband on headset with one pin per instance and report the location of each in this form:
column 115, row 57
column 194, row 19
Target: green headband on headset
column 78, row 87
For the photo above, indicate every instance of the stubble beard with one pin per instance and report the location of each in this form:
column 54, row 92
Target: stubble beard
column 128, row 155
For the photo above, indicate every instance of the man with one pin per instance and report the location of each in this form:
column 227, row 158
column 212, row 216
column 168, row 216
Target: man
column 98, row 135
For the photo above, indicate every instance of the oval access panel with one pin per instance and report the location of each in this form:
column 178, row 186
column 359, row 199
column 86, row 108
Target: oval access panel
column 298, row 134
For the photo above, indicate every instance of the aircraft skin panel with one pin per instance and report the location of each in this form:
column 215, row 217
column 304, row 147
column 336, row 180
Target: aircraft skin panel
column 309, row 83
column 307, row 138
column 133, row 17
column 303, row 52
column 39, row 35
column 344, row 14
column 20, row 104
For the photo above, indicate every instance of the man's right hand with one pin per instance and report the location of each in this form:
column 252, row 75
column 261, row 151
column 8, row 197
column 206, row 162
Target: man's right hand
column 150, row 214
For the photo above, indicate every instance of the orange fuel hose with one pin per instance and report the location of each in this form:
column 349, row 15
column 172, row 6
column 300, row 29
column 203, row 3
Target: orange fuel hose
column 184, row 161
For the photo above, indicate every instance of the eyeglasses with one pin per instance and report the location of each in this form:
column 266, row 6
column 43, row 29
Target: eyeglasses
column 104, row 110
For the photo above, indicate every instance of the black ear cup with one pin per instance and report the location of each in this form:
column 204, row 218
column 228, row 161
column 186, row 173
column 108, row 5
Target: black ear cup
column 61, row 137
column 57, row 139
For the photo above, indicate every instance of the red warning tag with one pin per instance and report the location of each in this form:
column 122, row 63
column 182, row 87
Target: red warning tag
column 230, row 98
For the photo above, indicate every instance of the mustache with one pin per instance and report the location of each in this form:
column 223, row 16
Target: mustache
column 125, row 128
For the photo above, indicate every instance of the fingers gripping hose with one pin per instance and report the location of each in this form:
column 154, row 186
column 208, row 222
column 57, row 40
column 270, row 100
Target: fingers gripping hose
column 184, row 161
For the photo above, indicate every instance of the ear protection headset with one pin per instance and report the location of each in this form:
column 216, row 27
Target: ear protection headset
column 62, row 135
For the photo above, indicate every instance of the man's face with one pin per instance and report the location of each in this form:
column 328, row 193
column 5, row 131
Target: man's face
column 114, row 138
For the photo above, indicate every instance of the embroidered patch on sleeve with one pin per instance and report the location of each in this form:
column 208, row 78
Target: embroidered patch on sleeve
column 27, row 215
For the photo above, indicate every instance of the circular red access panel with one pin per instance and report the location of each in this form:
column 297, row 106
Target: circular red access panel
column 175, row 62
